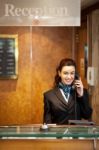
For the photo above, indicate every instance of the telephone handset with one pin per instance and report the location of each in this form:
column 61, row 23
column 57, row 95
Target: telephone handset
column 76, row 78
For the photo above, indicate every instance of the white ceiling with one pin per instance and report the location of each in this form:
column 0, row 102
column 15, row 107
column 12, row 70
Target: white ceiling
column 86, row 3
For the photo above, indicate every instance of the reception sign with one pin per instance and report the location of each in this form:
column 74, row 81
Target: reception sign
column 40, row 13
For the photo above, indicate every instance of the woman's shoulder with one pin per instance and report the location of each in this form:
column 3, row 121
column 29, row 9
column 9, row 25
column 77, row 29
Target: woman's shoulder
column 50, row 91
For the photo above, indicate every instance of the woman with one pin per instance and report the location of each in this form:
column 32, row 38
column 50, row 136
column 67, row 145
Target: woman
column 68, row 100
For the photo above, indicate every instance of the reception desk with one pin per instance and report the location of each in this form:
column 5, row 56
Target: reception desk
column 54, row 138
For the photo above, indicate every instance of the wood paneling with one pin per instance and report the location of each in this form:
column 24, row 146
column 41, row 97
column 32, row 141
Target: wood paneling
column 40, row 49
column 81, row 41
column 52, row 144
column 15, row 95
column 95, row 64
column 49, row 45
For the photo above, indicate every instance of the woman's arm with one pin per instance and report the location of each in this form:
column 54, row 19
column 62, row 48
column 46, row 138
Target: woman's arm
column 86, row 110
column 47, row 111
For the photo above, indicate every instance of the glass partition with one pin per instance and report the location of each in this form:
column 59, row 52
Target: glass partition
column 34, row 131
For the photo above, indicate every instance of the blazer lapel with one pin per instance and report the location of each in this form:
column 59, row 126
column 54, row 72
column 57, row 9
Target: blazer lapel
column 60, row 96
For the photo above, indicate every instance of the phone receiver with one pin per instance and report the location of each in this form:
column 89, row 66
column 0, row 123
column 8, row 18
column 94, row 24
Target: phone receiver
column 76, row 78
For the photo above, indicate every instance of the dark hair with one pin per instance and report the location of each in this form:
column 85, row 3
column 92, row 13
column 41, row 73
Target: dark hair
column 63, row 62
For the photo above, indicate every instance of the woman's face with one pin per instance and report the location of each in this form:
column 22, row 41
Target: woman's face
column 67, row 74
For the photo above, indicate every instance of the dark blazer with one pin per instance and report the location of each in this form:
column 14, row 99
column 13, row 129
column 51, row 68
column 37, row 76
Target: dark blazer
column 58, row 111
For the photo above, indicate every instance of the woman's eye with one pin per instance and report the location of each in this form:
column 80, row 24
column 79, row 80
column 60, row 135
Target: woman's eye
column 65, row 73
column 72, row 73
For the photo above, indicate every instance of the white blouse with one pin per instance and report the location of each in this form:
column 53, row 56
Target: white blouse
column 66, row 98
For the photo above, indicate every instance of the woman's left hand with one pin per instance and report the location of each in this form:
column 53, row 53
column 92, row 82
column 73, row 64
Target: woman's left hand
column 79, row 87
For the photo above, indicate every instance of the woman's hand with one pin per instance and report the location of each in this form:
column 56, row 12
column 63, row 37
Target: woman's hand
column 79, row 87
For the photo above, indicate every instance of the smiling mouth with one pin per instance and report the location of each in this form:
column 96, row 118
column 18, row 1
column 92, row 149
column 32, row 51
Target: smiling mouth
column 68, row 80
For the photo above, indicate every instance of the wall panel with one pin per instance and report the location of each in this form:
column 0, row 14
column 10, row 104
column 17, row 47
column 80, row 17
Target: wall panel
column 40, row 49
